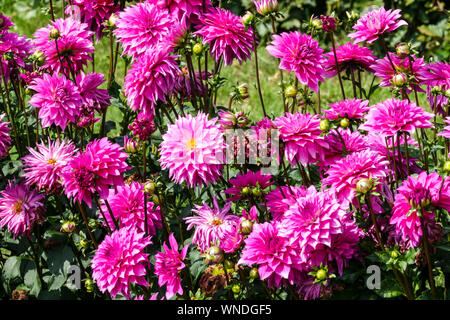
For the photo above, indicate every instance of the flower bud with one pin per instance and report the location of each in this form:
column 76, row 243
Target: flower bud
column 54, row 34
column 290, row 92
column 155, row 200
column 131, row 146
column 246, row 226
column 394, row 254
column 214, row 254
column 241, row 120
column 364, row 185
column 399, row 79
column 227, row 119
column 321, row 275
column 324, row 125
column 329, row 24
column 243, row 91
column 39, row 57
column 344, row 123
column 254, row 273
column 112, row 20
column 248, row 18
column 84, row 244
column 236, row 288
column 89, row 285
column 149, row 187
column 197, row 49
column 447, row 166
column 402, row 49
column 245, row 191
column 257, row 192
column 228, row 265
column 68, row 227
column 265, row 7
column 316, row 23
column 436, row 91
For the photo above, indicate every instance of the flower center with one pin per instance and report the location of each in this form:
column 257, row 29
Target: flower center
column 84, row 178
column 51, row 161
column 18, row 207
column 191, row 144
column 216, row 222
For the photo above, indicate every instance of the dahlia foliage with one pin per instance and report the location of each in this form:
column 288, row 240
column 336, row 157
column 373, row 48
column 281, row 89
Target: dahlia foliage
column 145, row 143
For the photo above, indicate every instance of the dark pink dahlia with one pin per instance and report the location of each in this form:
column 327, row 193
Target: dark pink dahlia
column 282, row 198
column 348, row 108
column 249, row 180
column 5, row 138
column 142, row 127
column 188, row 11
column 14, row 53
column 93, row 98
column 5, row 23
column 437, row 75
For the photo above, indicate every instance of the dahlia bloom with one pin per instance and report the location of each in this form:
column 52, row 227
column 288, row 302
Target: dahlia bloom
column 141, row 27
column 43, row 167
column 348, row 108
column 142, row 127
column 344, row 174
column 415, row 197
column 150, row 79
column 5, row 138
column 192, row 149
column 282, row 198
column 5, row 23
column 57, row 98
column 93, row 170
column 276, row 255
column 444, row 133
column 20, row 208
column 301, row 135
column 265, row 7
column 227, row 37
column 232, row 239
column 375, row 23
column 120, row 260
column 211, row 224
column 187, row 11
column 127, row 206
column 249, row 180
column 92, row 97
column 437, row 74
column 393, row 116
column 18, row 49
column 168, row 265
column 73, row 45
column 301, row 54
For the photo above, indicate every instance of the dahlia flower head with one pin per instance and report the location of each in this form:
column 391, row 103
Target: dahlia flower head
column 142, row 127
column 150, row 79
column 211, row 224
column 127, row 206
column 375, row 24
column 444, row 133
column 168, row 265
column 415, row 197
column 120, row 260
column 226, row 36
column 301, row 54
column 5, row 138
column 344, row 174
column 232, row 239
column 265, row 7
column 300, row 133
column 275, row 255
column 437, row 74
column 279, row 200
column 186, row 86
column 58, row 100
column 392, row 116
column 18, row 49
column 20, row 208
column 92, row 97
column 43, row 167
column 348, row 108
column 94, row 170
column 73, row 44
column 249, row 180
column 192, row 150
column 187, row 11
column 141, row 27
column 5, row 23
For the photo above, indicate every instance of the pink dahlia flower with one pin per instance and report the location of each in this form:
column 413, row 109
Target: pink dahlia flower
column 249, row 180
column 20, row 208
column 232, row 239
column 168, row 265
column 73, row 45
column 141, row 27
column 227, row 37
column 211, row 224
column 142, row 127
column 93, row 98
column 17, row 49
column 392, row 116
column 265, row 7
column 93, row 170
column 437, row 74
column 150, row 79
column 282, row 198
column 5, row 23
column 348, row 108
column 344, row 174
column 301, row 54
column 275, row 255
column 44, row 166
column 119, row 261
column 301, row 136
column 349, row 57
column 417, row 196
column 127, row 206
column 57, row 98
column 192, row 150
column 444, row 133
column 5, row 138
column 375, row 23
column 187, row 11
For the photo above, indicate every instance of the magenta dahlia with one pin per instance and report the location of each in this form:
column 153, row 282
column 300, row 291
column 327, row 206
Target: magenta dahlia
column 375, row 23
column 282, row 198
column 5, row 23
column 348, row 108
column 20, row 208
column 14, row 52
column 187, row 11
column 142, row 127
column 226, row 36
column 444, row 133
column 5, row 138
column 192, row 150
column 120, row 260
column 168, row 265
column 93, row 98
column 301, row 54
column 437, row 75
column 249, row 180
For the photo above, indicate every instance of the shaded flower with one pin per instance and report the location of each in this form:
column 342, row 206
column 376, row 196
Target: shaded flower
column 5, row 138
column 142, row 127
column 248, row 180
column 282, row 198
column 437, row 74
column 93, row 98
column 14, row 53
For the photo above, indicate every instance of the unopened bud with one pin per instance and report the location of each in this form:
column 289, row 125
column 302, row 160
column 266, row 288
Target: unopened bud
column 38, row 56
column 290, row 92
column 243, row 91
column 245, row 191
column 447, row 166
column 246, row 226
column 131, row 146
column 54, row 33
column 149, row 187
column 344, row 123
column 321, row 275
column 324, row 125
column 68, row 227
column 214, row 254
column 364, row 185
column 316, row 23
column 89, row 285
column 197, row 49
column 399, row 79
column 112, row 20
column 265, row 7
column 402, row 49
column 241, row 120
column 254, row 273
column 248, row 18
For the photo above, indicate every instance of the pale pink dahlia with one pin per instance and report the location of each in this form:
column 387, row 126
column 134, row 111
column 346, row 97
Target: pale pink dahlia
column 418, row 196
column 392, row 116
column 5, row 138
column 93, row 170
column 72, row 45
column 437, row 75
column 127, row 206
column 44, row 166
column 375, row 23
column 211, row 224
column 227, row 37
column 120, row 260
column 192, row 150
column 187, row 11
column 300, row 133
column 93, row 98
column 20, row 208
column 348, row 108
column 57, row 99
column 168, row 265
column 150, row 79
column 301, row 54
column 344, row 174
column 275, row 255
column 266, row 6
column 349, row 57
column 249, row 180
column 141, row 27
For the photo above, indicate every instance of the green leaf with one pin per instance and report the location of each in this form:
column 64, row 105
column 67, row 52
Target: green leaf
column 197, row 264
column 32, row 281
column 11, row 268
